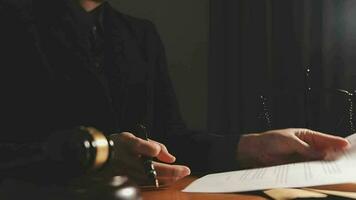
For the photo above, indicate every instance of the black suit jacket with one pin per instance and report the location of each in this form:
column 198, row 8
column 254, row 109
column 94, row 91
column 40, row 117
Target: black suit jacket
column 49, row 82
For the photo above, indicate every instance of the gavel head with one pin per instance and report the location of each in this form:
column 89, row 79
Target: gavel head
column 81, row 150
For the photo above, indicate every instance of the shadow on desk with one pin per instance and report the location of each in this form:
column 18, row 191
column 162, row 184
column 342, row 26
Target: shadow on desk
column 173, row 192
column 90, row 188
column 23, row 190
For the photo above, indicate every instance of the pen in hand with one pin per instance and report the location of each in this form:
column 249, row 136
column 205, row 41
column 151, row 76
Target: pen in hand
column 149, row 168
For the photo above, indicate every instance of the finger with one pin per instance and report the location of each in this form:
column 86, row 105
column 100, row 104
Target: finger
column 164, row 155
column 138, row 176
column 166, row 181
column 128, row 160
column 167, row 170
column 283, row 159
column 321, row 141
column 148, row 148
column 139, row 146
column 305, row 150
column 123, row 169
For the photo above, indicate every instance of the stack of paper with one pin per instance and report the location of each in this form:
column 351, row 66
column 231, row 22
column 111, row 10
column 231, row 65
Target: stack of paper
column 296, row 175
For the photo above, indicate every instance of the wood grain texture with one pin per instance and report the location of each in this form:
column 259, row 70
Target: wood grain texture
column 173, row 192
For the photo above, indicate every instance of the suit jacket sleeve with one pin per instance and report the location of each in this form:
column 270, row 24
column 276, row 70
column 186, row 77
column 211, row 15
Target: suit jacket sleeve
column 203, row 152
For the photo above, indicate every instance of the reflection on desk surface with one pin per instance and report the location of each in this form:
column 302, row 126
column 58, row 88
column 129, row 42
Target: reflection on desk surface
column 174, row 192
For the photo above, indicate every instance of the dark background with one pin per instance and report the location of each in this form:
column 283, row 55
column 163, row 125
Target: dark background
column 224, row 55
column 184, row 28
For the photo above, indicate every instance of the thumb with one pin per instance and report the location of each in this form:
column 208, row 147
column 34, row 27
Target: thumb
column 307, row 151
column 323, row 142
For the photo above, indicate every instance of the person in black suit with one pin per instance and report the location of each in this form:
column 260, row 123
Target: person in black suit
column 67, row 63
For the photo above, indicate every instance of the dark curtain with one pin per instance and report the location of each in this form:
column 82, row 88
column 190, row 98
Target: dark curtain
column 279, row 64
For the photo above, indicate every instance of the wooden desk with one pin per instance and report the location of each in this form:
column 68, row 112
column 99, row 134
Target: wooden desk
column 174, row 193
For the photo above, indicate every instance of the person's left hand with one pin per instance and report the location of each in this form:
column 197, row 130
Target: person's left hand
column 286, row 146
column 129, row 150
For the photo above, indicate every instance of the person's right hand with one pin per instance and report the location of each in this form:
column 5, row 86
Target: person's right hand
column 129, row 150
column 286, row 146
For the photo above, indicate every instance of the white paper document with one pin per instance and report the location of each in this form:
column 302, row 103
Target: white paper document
column 304, row 174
